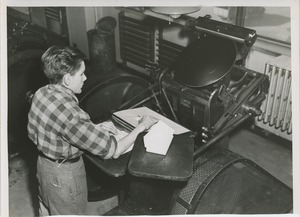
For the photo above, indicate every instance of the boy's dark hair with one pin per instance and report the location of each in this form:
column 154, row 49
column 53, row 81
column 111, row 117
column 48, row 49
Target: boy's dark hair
column 58, row 61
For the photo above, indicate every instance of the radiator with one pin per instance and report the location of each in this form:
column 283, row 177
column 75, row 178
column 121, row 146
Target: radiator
column 276, row 114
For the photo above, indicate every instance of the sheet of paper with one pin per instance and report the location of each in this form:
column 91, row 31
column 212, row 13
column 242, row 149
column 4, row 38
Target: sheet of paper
column 159, row 138
column 132, row 117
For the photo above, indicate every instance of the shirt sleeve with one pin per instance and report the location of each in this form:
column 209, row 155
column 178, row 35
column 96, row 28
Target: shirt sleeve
column 84, row 134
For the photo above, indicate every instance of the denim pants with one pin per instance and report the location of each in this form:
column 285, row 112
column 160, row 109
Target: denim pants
column 62, row 187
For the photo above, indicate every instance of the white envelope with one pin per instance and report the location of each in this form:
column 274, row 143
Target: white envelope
column 159, row 138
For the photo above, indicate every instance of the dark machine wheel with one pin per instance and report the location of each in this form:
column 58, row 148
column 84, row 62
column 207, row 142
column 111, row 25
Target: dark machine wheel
column 24, row 78
column 99, row 101
column 226, row 183
column 109, row 93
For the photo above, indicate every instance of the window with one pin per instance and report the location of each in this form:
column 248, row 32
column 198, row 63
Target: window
column 222, row 14
column 270, row 22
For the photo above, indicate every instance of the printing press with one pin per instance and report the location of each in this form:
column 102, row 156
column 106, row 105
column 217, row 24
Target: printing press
column 209, row 91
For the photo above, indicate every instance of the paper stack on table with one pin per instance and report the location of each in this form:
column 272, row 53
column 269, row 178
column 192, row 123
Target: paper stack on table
column 159, row 138
column 131, row 117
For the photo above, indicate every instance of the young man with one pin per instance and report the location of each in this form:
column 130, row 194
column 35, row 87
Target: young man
column 62, row 131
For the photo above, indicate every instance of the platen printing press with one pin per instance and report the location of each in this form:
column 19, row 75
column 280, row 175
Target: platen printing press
column 210, row 92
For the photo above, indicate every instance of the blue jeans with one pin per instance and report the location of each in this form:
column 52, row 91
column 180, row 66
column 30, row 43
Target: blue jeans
column 62, row 187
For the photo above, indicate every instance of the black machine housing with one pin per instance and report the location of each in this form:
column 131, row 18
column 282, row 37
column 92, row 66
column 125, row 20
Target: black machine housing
column 208, row 88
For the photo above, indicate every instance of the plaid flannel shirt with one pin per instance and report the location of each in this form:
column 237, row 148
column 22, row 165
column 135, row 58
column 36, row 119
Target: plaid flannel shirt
column 61, row 129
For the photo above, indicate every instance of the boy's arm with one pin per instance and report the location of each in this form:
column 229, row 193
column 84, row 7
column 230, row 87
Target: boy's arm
column 85, row 135
column 126, row 142
column 123, row 144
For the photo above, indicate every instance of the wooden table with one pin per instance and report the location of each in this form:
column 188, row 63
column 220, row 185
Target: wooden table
column 155, row 177
column 176, row 165
column 152, row 177
column 112, row 167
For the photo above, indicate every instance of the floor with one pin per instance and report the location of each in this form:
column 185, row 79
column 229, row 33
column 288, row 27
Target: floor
column 274, row 156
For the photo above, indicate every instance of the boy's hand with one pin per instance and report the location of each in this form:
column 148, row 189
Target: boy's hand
column 109, row 126
column 148, row 121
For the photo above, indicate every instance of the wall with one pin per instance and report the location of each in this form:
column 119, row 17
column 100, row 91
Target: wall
column 77, row 27
column 256, row 60
column 83, row 19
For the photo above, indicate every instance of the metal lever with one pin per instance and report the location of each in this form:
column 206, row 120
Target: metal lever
column 219, row 136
